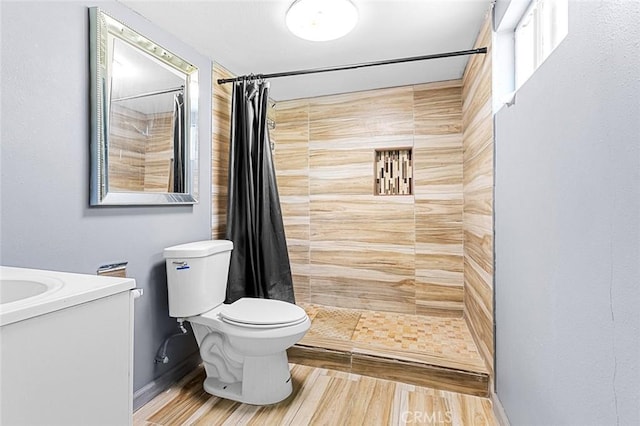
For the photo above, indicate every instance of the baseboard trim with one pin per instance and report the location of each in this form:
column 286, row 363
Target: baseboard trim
column 163, row 382
column 498, row 410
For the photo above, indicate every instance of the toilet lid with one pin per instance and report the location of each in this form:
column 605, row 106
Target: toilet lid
column 265, row 312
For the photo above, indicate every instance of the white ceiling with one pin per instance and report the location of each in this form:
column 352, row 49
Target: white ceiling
column 250, row 36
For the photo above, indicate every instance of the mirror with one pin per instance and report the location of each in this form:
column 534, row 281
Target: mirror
column 144, row 134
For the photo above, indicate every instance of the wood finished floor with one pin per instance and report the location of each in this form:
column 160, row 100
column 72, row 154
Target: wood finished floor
column 320, row 397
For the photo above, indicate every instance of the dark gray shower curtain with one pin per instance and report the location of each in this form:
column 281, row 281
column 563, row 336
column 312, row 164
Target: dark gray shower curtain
column 179, row 138
column 259, row 261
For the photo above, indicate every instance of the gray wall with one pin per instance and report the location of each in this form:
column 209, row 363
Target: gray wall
column 567, row 224
column 46, row 221
column 499, row 10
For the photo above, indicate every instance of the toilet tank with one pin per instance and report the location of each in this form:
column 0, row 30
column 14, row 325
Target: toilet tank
column 197, row 276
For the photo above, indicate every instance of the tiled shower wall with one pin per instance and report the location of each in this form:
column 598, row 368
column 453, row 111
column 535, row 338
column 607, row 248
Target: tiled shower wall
column 349, row 247
column 220, row 128
column 477, row 118
column 138, row 162
column 158, row 159
column 126, row 150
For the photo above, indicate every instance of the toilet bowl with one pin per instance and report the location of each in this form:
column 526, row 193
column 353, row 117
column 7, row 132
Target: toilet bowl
column 247, row 362
column 243, row 345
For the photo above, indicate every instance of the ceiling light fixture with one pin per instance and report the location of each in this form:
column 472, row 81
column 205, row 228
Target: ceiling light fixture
column 321, row 20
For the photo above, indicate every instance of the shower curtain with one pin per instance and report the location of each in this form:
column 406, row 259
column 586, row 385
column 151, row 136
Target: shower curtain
column 259, row 264
column 178, row 143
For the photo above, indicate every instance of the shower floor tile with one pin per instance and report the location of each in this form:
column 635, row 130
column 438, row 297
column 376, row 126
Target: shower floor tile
column 334, row 323
column 419, row 336
column 428, row 351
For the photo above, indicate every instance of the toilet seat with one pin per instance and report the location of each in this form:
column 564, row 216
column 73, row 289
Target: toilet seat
column 245, row 325
column 251, row 312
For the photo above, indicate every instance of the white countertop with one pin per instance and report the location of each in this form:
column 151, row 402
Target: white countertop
column 74, row 290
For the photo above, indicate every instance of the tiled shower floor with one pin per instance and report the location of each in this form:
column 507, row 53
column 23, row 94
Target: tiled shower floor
column 429, row 351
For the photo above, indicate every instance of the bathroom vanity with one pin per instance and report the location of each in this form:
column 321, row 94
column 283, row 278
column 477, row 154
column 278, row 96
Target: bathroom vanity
column 66, row 348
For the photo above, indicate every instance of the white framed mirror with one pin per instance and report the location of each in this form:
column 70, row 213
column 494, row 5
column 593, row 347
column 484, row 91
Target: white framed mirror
column 144, row 125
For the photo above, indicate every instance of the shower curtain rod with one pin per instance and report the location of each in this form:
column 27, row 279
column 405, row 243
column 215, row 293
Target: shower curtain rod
column 159, row 92
column 353, row 66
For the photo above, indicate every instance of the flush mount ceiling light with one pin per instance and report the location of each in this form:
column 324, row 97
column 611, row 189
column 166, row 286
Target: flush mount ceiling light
column 321, row 20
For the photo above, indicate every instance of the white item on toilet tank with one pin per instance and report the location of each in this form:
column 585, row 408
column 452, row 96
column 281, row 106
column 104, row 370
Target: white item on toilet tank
column 201, row 268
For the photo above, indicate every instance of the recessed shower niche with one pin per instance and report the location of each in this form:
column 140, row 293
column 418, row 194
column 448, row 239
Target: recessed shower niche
column 393, row 172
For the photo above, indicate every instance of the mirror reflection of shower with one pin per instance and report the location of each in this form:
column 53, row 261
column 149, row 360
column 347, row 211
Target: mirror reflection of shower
column 146, row 125
column 144, row 132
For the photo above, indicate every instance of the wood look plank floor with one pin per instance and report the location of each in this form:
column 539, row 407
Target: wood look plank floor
column 320, row 397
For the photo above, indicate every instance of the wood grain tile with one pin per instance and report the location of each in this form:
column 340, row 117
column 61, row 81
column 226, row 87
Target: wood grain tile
column 344, row 172
column 140, row 151
column 323, row 396
column 422, row 338
column 338, row 336
column 478, row 197
column 164, row 398
column 291, row 161
column 336, row 359
column 368, row 260
column 393, row 296
column 292, row 184
column 438, row 167
column 333, row 324
column 363, row 251
column 158, row 157
column 439, row 257
column 438, row 299
column 342, row 133
column 183, row 405
column 217, row 412
column 373, row 406
column 365, row 219
column 362, row 114
column 363, row 276
column 421, row 374
column 438, row 110
column 221, row 131
column 301, row 286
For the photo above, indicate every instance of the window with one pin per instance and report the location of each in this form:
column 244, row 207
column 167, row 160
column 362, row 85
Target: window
column 543, row 26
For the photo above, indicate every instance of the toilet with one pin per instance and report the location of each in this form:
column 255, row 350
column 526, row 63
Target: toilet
column 243, row 344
